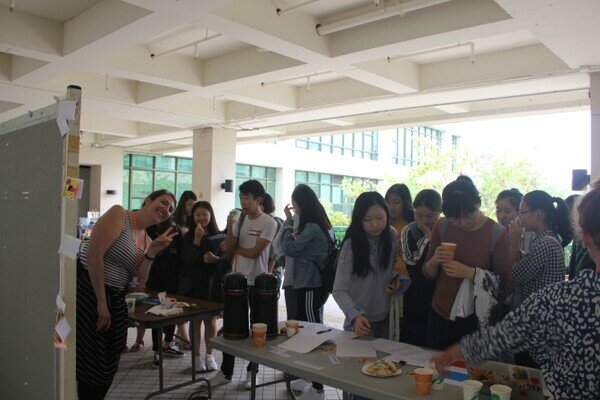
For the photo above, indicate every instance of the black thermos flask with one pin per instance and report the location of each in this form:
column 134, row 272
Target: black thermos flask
column 265, row 302
column 235, row 307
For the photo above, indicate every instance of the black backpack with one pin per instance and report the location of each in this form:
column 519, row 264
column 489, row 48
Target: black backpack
column 330, row 265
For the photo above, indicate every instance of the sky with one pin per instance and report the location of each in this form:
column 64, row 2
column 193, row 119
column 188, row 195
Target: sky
column 557, row 142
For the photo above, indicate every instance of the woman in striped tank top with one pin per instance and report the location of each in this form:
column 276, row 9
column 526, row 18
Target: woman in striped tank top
column 118, row 250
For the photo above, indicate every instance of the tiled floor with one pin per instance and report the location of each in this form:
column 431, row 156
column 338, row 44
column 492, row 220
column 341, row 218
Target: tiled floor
column 136, row 376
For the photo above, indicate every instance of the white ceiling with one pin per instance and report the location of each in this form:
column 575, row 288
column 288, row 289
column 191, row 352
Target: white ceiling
column 268, row 75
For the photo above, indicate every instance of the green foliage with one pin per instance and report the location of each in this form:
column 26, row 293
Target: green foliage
column 491, row 173
column 337, row 218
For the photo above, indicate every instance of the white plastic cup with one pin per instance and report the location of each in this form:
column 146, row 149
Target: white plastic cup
column 130, row 305
column 500, row 392
column 438, row 382
column 471, row 389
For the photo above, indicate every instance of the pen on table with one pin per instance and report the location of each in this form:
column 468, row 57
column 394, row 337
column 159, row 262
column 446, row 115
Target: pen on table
column 326, row 330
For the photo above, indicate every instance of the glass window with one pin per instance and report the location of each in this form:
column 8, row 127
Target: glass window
column 167, row 163
column 126, row 189
column 141, row 183
column 127, row 161
column 144, row 162
column 313, row 177
column 302, row 143
column 184, row 182
column 165, row 180
column 301, row 177
column 325, row 178
column 314, row 146
column 271, row 173
column 270, row 188
column 325, row 194
column 242, row 170
column 259, row 172
column 184, row 164
column 136, row 203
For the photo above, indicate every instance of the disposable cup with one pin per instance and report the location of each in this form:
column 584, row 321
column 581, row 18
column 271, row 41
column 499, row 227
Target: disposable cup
column 451, row 247
column 259, row 334
column 500, row 392
column 423, row 380
column 130, row 305
column 471, row 389
column 438, row 382
column 291, row 327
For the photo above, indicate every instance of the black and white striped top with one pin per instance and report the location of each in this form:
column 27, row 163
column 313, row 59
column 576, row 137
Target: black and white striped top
column 120, row 262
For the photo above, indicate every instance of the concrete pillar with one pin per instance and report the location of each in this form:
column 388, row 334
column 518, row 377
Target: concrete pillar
column 595, row 125
column 214, row 161
column 106, row 174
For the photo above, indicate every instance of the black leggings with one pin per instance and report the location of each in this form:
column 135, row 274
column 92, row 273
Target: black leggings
column 168, row 331
column 87, row 392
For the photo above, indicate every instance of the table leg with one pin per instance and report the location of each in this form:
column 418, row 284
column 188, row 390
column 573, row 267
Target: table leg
column 193, row 347
column 288, row 380
column 160, row 359
column 253, row 387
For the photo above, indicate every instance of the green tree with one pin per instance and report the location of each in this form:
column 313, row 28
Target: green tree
column 491, row 173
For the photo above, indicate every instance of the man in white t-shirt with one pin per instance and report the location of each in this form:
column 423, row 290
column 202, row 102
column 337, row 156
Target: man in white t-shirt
column 250, row 243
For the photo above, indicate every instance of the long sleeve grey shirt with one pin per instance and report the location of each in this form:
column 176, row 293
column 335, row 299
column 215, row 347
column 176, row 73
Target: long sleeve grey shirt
column 364, row 295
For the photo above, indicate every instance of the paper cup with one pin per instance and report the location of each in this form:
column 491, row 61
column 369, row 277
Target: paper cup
column 471, row 389
column 500, row 392
column 291, row 327
column 451, row 247
column 130, row 305
column 259, row 334
column 423, row 380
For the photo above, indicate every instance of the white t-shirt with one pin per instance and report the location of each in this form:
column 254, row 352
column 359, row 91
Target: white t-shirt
column 263, row 227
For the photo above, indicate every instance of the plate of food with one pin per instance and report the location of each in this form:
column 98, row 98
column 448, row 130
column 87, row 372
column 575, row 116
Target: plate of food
column 382, row 368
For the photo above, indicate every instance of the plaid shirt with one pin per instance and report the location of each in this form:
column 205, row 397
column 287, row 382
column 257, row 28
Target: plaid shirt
column 543, row 265
column 560, row 327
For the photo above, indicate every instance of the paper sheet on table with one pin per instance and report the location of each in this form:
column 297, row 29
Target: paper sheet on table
column 303, row 342
column 413, row 355
column 332, row 334
column 387, row 346
column 354, row 348
column 69, row 246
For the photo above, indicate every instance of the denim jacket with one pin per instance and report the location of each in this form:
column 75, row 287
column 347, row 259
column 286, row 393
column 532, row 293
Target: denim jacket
column 309, row 250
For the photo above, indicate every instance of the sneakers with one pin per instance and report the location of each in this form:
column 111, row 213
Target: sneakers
column 137, row 346
column 300, row 385
column 182, row 344
column 210, row 363
column 200, row 365
column 312, row 394
column 156, row 360
column 248, row 382
column 219, row 379
column 173, row 351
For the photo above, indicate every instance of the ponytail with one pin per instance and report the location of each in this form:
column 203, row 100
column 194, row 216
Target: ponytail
column 561, row 221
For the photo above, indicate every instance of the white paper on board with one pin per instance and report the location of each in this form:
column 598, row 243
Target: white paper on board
column 66, row 109
column 69, row 246
column 63, row 328
column 60, row 304
column 63, row 126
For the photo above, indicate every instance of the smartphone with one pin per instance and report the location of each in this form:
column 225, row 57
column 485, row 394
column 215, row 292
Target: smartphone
column 394, row 279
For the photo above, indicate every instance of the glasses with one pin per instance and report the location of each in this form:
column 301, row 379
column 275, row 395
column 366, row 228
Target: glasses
column 520, row 213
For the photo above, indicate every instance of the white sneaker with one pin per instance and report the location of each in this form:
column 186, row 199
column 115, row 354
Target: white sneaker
column 312, row 394
column 300, row 385
column 248, row 382
column 210, row 363
column 219, row 379
column 200, row 366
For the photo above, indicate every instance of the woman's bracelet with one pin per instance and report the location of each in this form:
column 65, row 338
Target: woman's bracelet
column 148, row 257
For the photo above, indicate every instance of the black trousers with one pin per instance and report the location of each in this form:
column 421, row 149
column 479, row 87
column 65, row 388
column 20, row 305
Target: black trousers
column 88, row 392
column 442, row 332
column 169, row 333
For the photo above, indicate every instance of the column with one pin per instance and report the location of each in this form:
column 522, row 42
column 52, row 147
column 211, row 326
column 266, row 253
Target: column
column 214, row 161
column 595, row 125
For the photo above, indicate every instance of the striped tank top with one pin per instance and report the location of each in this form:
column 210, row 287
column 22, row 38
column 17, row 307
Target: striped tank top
column 120, row 262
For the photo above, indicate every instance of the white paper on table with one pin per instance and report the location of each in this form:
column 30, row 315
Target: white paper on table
column 414, row 356
column 63, row 328
column 303, row 342
column 69, row 246
column 354, row 348
column 387, row 346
